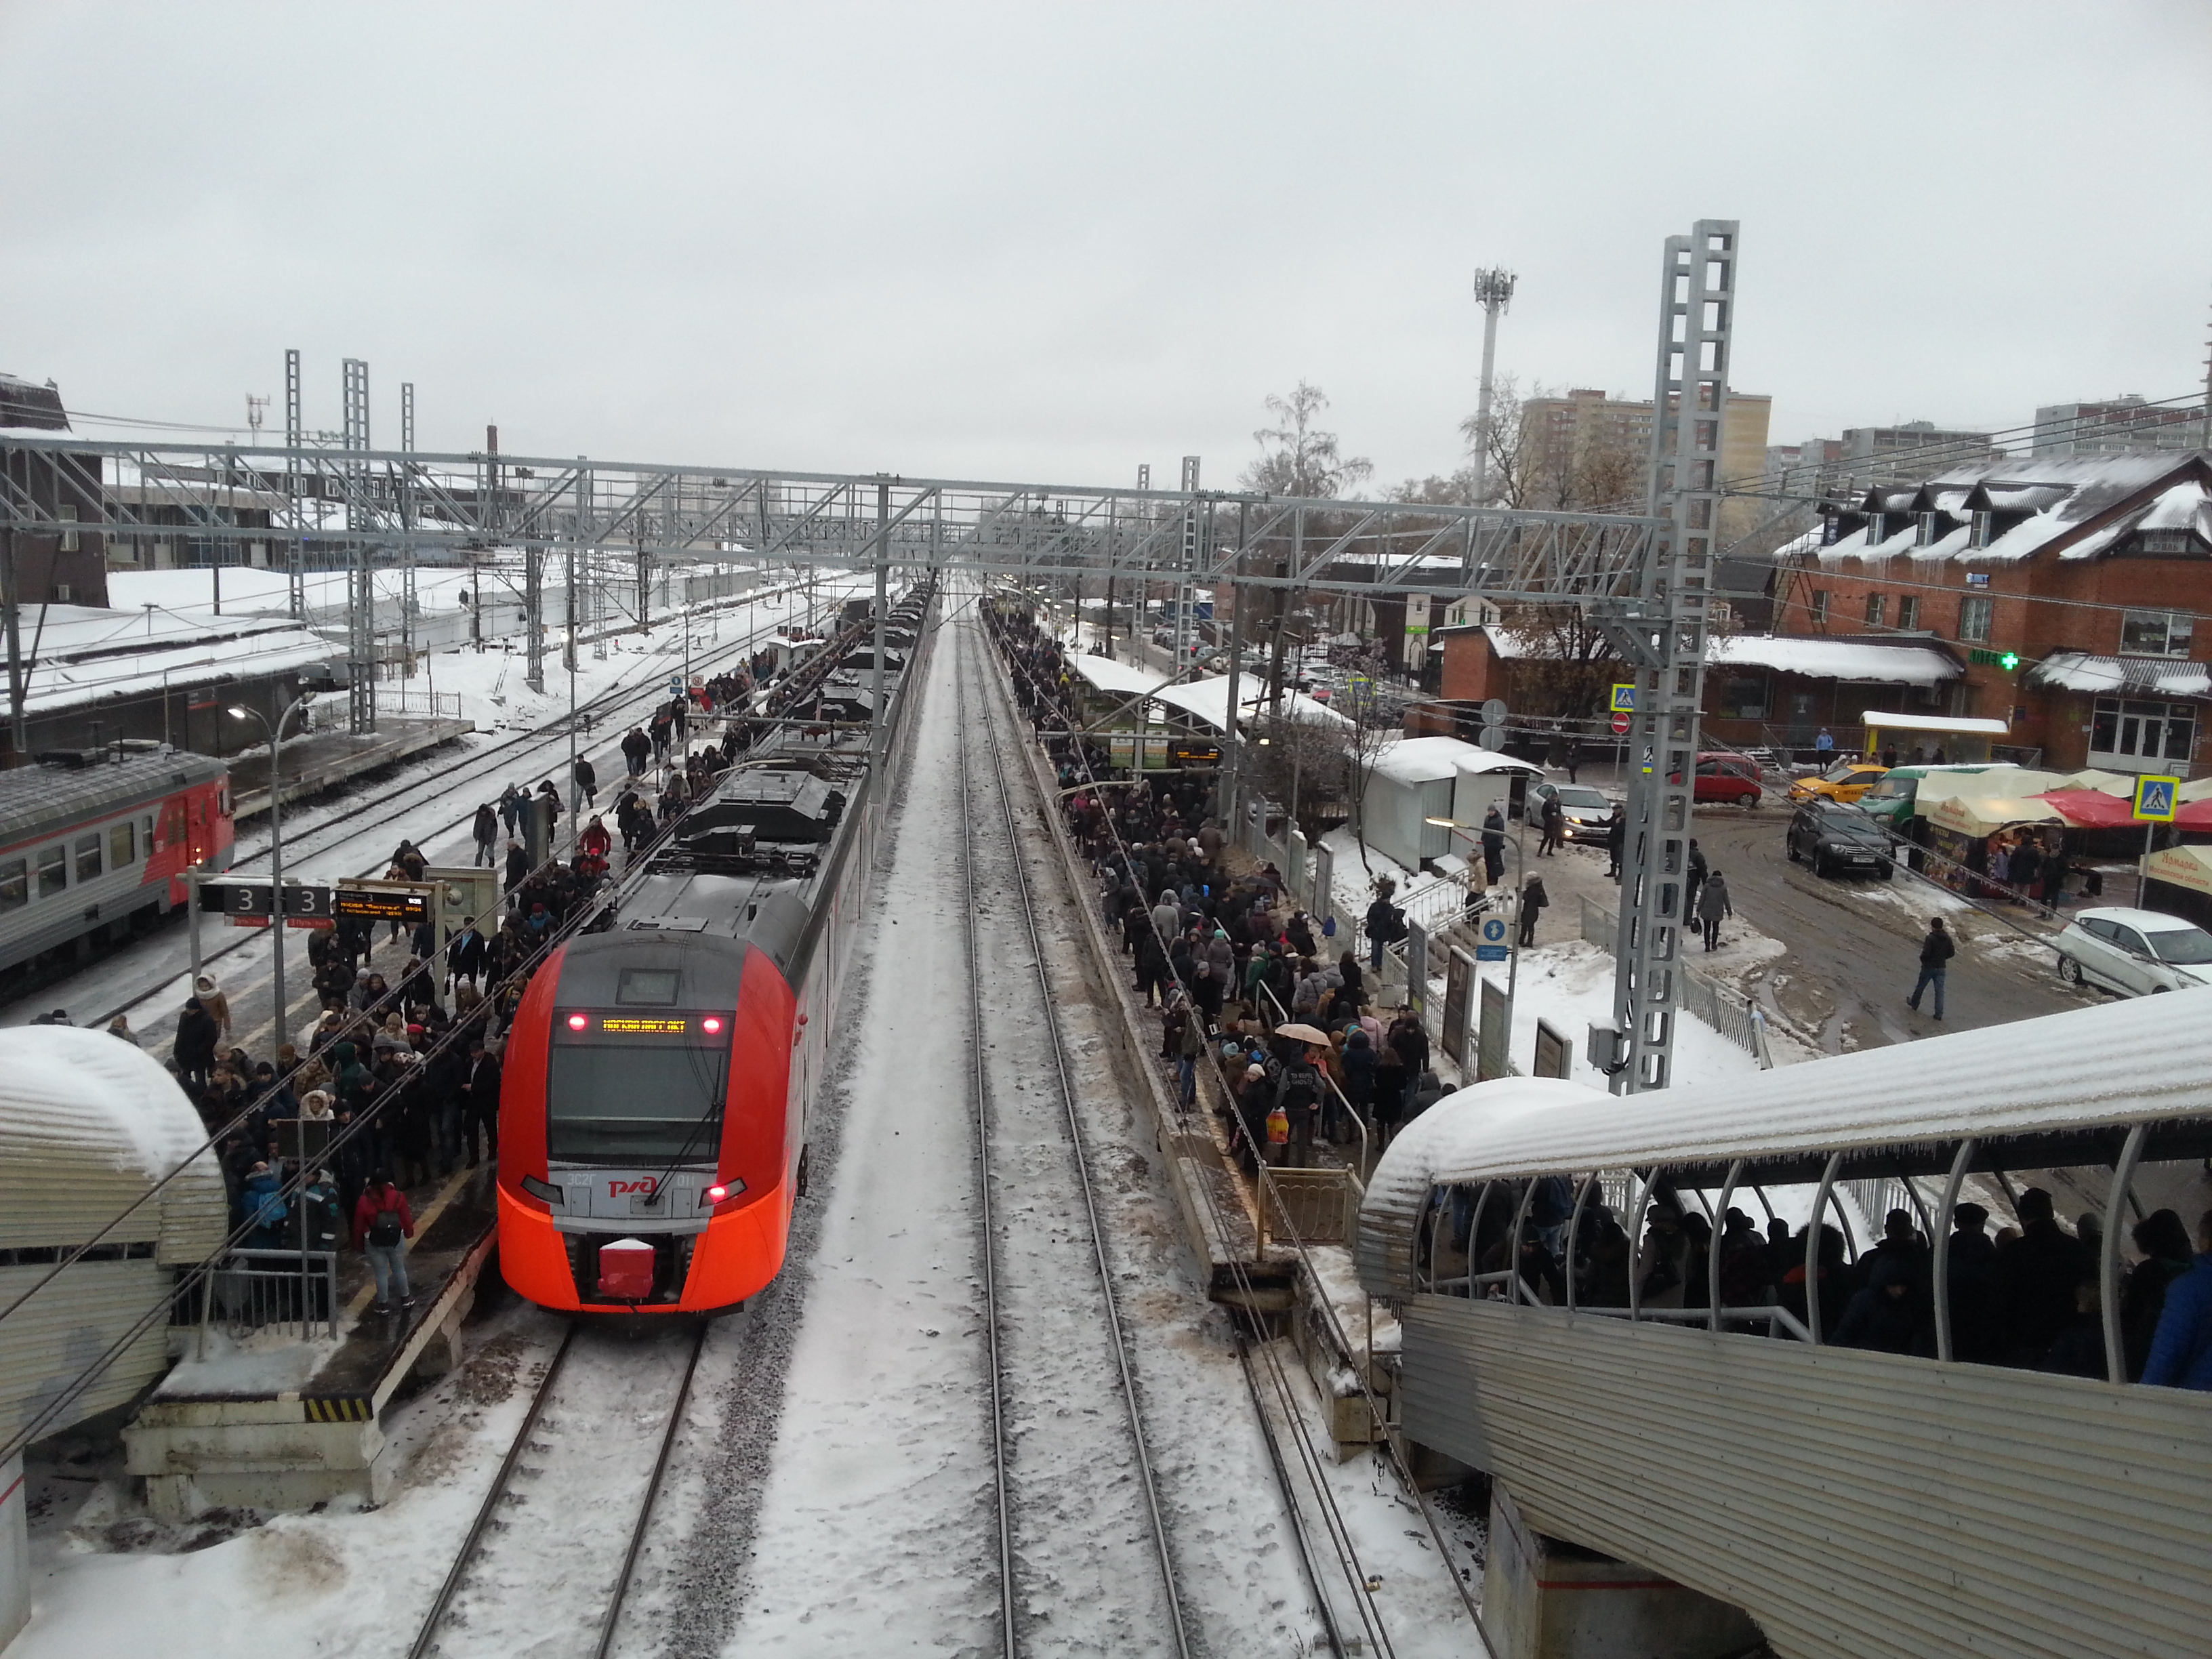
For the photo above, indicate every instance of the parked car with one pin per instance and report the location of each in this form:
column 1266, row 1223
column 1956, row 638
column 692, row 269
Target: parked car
column 1587, row 810
column 1846, row 780
column 1838, row 840
column 1728, row 779
column 2134, row 952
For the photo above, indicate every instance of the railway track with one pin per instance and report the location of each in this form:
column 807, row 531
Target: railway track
column 547, row 1563
column 1080, row 1528
column 619, row 700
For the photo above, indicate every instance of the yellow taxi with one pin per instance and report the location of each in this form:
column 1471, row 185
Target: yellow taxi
column 1846, row 780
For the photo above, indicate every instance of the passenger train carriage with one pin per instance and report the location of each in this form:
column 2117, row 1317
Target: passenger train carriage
column 661, row 1068
column 93, row 843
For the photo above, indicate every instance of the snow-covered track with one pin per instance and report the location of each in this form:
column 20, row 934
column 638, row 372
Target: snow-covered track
column 1081, row 1529
column 548, row 1561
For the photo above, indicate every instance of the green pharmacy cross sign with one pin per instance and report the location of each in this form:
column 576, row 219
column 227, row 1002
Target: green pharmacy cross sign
column 2007, row 660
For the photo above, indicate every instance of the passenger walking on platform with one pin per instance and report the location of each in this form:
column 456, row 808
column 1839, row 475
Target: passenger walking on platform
column 382, row 1224
column 486, row 830
column 518, row 865
column 1493, row 846
column 1699, row 870
column 194, row 1049
column 2036, row 1273
column 1713, row 907
column 1936, row 950
column 637, row 749
column 216, row 1003
column 511, row 803
column 587, row 779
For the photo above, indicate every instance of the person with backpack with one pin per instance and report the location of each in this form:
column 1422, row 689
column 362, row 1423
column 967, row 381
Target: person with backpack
column 485, row 829
column 1936, row 950
column 382, row 1224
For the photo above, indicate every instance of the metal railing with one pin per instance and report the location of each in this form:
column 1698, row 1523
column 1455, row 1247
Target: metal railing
column 255, row 1290
column 1734, row 1015
column 407, row 704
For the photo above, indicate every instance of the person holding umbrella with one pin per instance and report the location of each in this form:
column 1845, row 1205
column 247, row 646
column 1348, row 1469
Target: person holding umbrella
column 1298, row 1086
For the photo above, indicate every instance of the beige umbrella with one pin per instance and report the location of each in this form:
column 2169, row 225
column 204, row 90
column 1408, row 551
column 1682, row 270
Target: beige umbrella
column 1303, row 1033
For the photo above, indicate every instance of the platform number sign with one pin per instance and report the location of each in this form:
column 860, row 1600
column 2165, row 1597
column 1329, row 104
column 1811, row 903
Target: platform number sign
column 1624, row 699
column 1492, row 947
column 2156, row 799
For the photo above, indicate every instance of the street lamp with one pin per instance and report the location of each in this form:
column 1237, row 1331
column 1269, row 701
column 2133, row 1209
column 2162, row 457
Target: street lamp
column 277, row 922
column 1520, row 882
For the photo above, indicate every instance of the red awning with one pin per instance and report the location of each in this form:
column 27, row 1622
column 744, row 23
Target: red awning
column 2091, row 809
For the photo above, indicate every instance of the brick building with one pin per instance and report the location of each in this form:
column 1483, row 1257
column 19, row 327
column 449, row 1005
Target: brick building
column 67, row 567
column 2090, row 573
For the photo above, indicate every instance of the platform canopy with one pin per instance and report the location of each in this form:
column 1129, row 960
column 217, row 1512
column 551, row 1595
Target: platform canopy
column 1207, row 699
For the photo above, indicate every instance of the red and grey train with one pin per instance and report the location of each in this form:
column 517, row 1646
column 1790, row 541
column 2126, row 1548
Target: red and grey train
column 659, row 1072
column 93, row 843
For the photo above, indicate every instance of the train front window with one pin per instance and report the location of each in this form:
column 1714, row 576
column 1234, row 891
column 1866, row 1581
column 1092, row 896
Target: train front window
column 633, row 1100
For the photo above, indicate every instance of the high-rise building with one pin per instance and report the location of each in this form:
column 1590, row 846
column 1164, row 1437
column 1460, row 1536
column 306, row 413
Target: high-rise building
column 1589, row 451
column 1906, row 454
column 2114, row 427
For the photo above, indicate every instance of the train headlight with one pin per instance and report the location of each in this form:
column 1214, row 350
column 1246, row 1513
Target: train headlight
column 721, row 1193
column 712, row 1026
column 578, row 1022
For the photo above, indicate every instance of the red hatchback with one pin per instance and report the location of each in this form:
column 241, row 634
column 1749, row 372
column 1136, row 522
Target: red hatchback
column 1732, row 780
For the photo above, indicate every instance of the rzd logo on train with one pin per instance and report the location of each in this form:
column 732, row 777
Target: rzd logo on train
column 644, row 1189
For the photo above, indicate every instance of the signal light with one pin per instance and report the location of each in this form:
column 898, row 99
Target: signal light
column 712, row 1024
column 577, row 1022
column 715, row 1194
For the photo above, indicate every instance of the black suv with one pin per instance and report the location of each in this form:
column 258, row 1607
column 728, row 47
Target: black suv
column 1838, row 840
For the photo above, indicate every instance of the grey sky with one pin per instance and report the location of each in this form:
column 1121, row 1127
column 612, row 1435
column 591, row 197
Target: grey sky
column 1050, row 242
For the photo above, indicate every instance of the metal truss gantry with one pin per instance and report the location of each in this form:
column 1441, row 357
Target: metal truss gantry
column 1642, row 577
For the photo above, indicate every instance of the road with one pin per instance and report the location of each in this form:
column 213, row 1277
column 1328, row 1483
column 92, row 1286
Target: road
column 1852, row 962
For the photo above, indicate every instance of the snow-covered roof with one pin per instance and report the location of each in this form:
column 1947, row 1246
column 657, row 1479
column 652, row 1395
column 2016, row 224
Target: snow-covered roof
column 1955, row 723
column 2082, row 1068
column 78, row 655
column 1208, row 700
column 1898, row 662
column 1105, row 674
column 2083, row 670
column 1433, row 759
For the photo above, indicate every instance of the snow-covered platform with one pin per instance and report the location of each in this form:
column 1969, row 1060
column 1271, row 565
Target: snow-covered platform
column 315, row 763
column 281, row 1423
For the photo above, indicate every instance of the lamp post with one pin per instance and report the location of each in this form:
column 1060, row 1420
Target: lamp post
column 1520, row 882
column 277, row 922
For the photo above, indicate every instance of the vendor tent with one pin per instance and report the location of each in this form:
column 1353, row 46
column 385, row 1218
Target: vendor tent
column 2184, row 867
column 1984, row 815
column 2090, row 809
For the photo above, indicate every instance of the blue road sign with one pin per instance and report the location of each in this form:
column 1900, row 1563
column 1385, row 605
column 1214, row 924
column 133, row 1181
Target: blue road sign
column 1492, row 947
column 2155, row 798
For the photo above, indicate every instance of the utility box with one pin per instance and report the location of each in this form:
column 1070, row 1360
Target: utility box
column 626, row 1270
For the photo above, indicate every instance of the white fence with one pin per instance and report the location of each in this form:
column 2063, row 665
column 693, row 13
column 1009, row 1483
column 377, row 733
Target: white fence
column 1735, row 1016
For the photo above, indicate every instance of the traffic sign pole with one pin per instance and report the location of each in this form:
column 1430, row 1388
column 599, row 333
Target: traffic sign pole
column 2156, row 802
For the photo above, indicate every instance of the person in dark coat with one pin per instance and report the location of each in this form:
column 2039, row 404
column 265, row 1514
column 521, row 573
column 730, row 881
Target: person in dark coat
column 2162, row 1240
column 518, row 865
column 1696, row 879
column 587, row 781
column 480, row 1101
column 1937, row 948
column 2181, row 1350
column 1493, row 846
column 1555, row 828
column 2036, row 1273
column 1616, row 839
column 196, row 1035
column 1533, row 898
column 1713, row 907
column 1972, row 1271
column 486, row 831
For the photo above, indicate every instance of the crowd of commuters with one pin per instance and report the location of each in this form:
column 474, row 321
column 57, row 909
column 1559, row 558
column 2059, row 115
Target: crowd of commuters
column 1248, row 985
column 2027, row 1294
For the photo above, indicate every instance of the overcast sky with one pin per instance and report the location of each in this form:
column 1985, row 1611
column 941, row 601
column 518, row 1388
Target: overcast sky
column 1049, row 242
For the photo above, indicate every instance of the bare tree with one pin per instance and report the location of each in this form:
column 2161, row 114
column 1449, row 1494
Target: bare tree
column 1298, row 457
column 1565, row 663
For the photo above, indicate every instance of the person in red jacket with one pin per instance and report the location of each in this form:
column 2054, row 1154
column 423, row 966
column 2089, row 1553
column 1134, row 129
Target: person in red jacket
column 382, row 1224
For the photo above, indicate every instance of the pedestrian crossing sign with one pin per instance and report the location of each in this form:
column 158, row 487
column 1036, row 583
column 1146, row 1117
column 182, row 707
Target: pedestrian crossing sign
column 2155, row 799
column 1624, row 699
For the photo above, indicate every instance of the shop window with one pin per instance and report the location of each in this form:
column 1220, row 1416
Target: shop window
column 1975, row 611
column 2155, row 633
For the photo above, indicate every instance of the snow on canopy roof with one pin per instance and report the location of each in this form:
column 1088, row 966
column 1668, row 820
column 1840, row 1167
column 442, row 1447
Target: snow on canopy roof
column 1900, row 662
column 1431, row 760
column 83, row 654
column 1957, row 723
column 1107, row 674
column 2085, row 1068
column 2081, row 670
column 1208, row 700
column 82, row 1098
